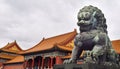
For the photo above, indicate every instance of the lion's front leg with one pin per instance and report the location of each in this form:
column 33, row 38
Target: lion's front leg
column 75, row 55
column 99, row 50
column 77, row 50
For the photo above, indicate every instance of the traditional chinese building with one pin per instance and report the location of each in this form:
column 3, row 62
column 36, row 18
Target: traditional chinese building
column 16, row 63
column 9, row 52
column 47, row 52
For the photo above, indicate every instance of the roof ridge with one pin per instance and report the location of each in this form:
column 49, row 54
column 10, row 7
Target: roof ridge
column 47, row 39
column 115, row 40
column 69, row 39
column 10, row 45
column 6, row 46
column 60, row 35
column 55, row 40
column 18, row 46
column 35, row 45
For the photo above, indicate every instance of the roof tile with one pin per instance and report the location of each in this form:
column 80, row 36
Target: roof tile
column 49, row 43
column 116, row 45
column 16, row 60
column 12, row 47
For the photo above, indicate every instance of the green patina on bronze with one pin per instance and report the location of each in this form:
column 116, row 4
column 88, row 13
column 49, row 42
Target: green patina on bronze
column 93, row 38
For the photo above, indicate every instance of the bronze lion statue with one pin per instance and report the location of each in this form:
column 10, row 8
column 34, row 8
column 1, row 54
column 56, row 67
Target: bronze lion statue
column 93, row 37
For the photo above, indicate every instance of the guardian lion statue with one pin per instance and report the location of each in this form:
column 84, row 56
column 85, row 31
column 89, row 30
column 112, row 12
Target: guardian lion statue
column 92, row 38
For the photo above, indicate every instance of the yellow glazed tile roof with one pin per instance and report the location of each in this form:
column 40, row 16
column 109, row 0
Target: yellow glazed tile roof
column 16, row 60
column 60, row 41
column 12, row 47
column 116, row 46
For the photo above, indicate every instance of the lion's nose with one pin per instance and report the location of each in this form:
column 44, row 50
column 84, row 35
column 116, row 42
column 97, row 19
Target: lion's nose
column 80, row 22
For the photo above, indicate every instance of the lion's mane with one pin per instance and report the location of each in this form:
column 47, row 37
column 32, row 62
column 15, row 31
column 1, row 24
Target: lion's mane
column 101, row 20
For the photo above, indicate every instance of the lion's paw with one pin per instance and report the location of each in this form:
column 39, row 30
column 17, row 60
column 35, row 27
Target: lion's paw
column 69, row 61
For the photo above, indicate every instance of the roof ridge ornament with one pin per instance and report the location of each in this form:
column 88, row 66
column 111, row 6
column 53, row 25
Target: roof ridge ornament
column 43, row 38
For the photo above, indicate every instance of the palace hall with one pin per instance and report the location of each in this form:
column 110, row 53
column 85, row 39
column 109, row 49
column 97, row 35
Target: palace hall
column 43, row 55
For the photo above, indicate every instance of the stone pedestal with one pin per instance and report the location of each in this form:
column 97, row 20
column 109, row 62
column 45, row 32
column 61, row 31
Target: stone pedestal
column 84, row 66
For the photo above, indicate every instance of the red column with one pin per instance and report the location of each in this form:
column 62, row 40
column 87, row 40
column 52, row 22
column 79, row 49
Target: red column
column 38, row 63
column 51, row 62
column 33, row 63
column 25, row 64
column 42, row 62
column 58, row 60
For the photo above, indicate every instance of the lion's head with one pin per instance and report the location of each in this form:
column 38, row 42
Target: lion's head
column 91, row 17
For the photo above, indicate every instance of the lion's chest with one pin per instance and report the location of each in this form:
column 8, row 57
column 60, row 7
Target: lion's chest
column 88, row 44
column 87, row 40
column 85, row 27
column 86, row 36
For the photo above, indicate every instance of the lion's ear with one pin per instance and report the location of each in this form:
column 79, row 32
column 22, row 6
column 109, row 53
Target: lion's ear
column 94, row 13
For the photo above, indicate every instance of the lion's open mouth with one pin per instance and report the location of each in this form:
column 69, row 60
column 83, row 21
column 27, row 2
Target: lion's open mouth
column 85, row 24
column 85, row 27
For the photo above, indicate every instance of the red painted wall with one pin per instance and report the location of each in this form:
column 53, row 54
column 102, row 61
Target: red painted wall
column 58, row 60
column 1, row 65
column 14, row 66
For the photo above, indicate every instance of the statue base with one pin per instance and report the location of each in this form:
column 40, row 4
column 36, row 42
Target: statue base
column 85, row 66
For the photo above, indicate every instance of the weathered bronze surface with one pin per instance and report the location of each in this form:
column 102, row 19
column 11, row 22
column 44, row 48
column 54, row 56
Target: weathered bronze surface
column 93, row 39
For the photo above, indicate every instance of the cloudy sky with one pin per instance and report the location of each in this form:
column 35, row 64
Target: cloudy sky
column 28, row 21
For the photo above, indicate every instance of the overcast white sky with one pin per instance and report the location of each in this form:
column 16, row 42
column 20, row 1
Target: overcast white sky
column 28, row 21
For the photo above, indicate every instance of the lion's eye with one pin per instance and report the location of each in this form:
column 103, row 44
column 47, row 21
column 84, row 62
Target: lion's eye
column 86, row 19
column 87, row 16
column 79, row 19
